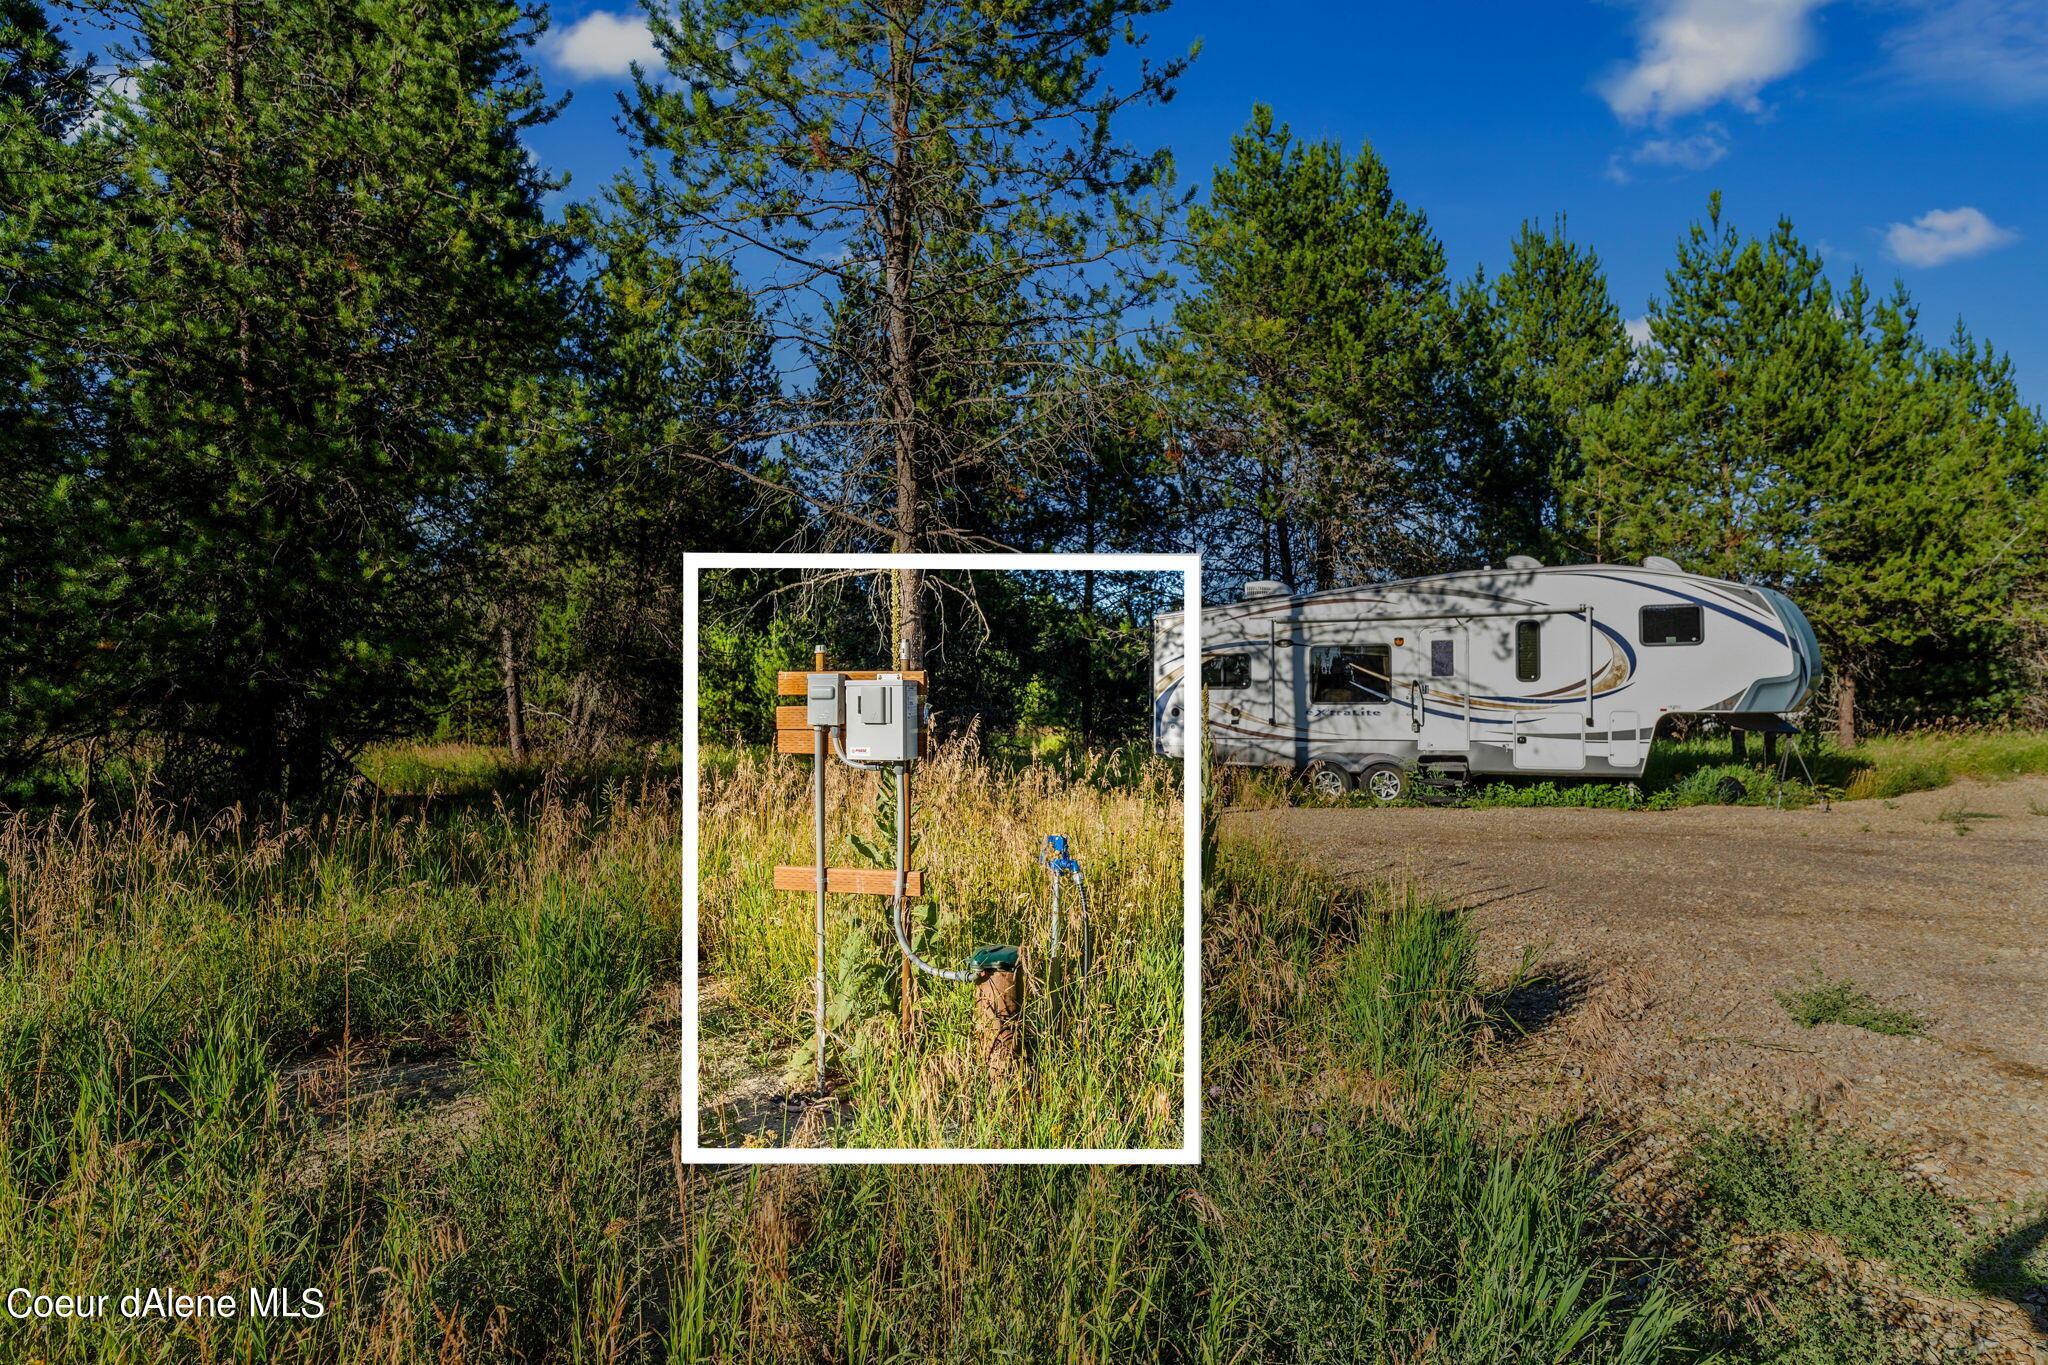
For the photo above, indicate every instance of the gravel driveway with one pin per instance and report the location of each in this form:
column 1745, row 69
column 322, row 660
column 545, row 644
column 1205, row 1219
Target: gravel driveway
column 1668, row 933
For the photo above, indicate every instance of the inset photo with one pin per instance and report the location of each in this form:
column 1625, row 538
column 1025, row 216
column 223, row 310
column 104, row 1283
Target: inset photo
column 941, row 866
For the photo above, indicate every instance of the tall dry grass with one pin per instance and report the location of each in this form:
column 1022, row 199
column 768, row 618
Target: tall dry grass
column 421, row 1056
column 1103, row 1055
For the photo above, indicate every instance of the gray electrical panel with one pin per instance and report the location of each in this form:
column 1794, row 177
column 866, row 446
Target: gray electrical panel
column 825, row 699
column 881, row 720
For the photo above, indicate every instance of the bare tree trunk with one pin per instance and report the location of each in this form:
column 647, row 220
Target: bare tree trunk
column 1088, row 650
column 515, row 699
column 900, row 384
column 1845, row 711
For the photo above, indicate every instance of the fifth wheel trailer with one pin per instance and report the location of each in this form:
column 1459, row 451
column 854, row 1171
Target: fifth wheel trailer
column 1532, row 670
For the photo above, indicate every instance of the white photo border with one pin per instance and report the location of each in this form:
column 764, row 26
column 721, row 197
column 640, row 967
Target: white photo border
column 1189, row 1153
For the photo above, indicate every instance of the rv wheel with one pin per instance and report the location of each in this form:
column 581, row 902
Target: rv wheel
column 1325, row 778
column 1385, row 782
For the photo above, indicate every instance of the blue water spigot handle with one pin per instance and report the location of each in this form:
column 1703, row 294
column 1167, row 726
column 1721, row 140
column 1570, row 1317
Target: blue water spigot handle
column 1058, row 860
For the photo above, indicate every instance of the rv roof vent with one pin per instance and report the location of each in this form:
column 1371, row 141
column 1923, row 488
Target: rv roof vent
column 1264, row 587
column 1660, row 562
column 1524, row 562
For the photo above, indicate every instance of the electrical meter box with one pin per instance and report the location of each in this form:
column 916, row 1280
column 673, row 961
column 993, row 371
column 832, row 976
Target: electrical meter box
column 825, row 699
column 881, row 720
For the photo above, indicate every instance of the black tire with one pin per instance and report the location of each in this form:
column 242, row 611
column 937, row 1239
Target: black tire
column 1731, row 791
column 1327, row 779
column 1384, row 782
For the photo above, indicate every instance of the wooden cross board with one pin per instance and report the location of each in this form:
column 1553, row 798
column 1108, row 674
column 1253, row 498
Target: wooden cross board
column 871, row 881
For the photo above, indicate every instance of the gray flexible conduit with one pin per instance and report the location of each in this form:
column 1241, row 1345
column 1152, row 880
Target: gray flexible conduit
column 902, row 872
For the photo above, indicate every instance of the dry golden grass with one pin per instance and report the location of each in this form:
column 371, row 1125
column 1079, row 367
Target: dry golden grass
column 1104, row 1067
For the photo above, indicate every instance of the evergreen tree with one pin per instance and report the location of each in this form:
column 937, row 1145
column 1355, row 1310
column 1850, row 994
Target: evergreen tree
column 1544, row 347
column 1930, row 526
column 1308, row 369
column 948, row 158
column 656, row 457
column 324, row 290
column 1713, row 455
column 53, row 677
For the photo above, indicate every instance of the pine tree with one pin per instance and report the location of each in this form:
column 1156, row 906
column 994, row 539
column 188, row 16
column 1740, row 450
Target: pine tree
column 1308, row 366
column 53, row 677
column 1544, row 347
column 1930, row 531
column 945, row 157
column 324, row 290
column 653, row 458
column 1713, row 455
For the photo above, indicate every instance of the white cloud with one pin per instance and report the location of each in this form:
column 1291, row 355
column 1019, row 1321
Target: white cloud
column 1693, row 153
column 604, row 44
column 1638, row 331
column 1943, row 235
column 1994, row 48
column 1693, row 54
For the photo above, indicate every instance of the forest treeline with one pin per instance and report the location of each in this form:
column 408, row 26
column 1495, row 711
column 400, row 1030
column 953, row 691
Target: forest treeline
column 319, row 424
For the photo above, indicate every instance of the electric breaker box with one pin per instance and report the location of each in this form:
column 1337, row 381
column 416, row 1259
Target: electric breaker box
column 825, row 699
column 881, row 720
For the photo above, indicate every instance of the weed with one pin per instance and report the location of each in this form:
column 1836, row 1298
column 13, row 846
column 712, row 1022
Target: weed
column 1803, row 1178
column 1820, row 1000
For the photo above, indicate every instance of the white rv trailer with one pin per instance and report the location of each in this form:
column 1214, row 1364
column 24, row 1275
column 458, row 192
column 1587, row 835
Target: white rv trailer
column 1526, row 669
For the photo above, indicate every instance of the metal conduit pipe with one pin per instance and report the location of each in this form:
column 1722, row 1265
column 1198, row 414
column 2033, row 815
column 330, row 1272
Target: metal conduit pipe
column 818, row 793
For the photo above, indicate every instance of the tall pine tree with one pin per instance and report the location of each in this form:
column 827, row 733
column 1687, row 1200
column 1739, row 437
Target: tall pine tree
column 1307, row 369
column 322, row 289
column 1544, row 347
column 1712, row 455
column 54, row 678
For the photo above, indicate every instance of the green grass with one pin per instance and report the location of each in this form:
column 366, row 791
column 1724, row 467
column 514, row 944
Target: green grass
column 1105, row 1054
column 206, row 1027
column 1801, row 1178
column 1822, row 1000
column 201, row 1026
column 1701, row 772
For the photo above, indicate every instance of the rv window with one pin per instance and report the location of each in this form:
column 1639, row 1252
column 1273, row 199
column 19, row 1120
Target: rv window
column 1441, row 656
column 1348, row 676
column 1227, row 670
column 1671, row 625
column 1528, row 651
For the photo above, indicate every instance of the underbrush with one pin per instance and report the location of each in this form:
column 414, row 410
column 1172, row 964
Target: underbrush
column 206, row 1028
column 199, row 1023
column 1700, row 771
column 203, row 1023
column 1799, row 1179
column 1351, row 1204
column 1105, row 1054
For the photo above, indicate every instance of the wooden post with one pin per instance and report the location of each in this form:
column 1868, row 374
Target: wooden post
column 1771, row 748
column 999, row 1021
column 906, row 975
column 1738, row 744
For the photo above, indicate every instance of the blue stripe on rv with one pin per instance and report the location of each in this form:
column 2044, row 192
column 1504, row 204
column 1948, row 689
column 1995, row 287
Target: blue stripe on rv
column 1688, row 597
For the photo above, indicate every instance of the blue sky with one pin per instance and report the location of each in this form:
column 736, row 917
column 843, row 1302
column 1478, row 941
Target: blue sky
column 1905, row 137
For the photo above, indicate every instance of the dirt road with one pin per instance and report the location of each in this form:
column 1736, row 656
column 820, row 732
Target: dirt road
column 1668, row 934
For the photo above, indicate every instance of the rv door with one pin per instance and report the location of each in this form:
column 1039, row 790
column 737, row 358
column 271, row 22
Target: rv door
column 1429, row 683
